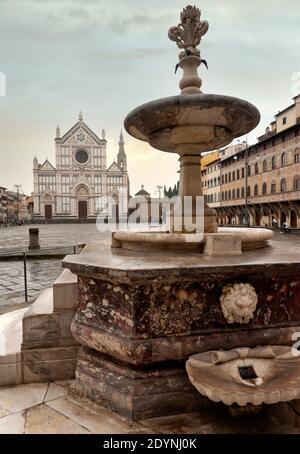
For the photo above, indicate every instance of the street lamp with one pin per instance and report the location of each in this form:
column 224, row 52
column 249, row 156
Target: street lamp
column 18, row 187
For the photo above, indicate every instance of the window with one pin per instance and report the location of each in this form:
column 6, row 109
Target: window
column 256, row 190
column 283, row 160
column 229, row 177
column 99, row 203
column 273, row 163
column 243, row 193
column 97, row 158
column 114, row 180
column 243, row 172
column 273, row 187
column 249, row 171
column 97, row 182
column 65, row 204
column 81, row 156
column 233, row 194
column 47, row 183
column 248, row 191
column 222, row 179
column 65, row 184
column 297, row 156
column 65, row 158
column 237, row 193
column 225, row 195
column 226, row 178
column 264, row 188
column 222, row 195
column 297, row 183
column 256, row 168
column 283, row 185
column 97, row 162
column 238, row 174
column 284, row 121
column 229, row 195
column 264, row 166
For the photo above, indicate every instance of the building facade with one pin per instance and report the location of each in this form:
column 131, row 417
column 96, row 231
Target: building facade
column 259, row 184
column 3, row 205
column 80, row 186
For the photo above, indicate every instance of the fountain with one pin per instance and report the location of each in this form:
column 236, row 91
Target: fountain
column 190, row 124
column 150, row 301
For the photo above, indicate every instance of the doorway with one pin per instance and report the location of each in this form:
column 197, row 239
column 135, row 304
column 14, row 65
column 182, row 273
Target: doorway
column 293, row 219
column 48, row 212
column 282, row 218
column 257, row 218
column 82, row 209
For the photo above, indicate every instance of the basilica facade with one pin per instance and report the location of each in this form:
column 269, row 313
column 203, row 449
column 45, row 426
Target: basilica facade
column 80, row 186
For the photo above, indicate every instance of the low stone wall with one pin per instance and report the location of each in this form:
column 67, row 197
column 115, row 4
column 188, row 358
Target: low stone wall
column 48, row 350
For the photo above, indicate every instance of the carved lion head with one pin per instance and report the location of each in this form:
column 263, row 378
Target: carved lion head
column 238, row 302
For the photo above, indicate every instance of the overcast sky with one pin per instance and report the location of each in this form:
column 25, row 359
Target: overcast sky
column 105, row 57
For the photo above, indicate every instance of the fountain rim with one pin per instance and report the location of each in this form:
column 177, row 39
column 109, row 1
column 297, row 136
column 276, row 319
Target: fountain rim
column 251, row 239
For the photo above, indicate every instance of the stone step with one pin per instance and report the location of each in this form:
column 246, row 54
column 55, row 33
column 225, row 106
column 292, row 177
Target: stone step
column 36, row 343
column 65, row 291
column 43, row 304
column 11, row 332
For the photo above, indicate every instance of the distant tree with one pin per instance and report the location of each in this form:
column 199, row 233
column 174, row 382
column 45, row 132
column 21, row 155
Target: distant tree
column 171, row 192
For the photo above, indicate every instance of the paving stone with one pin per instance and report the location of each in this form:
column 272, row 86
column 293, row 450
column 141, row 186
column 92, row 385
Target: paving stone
column 16, row 399
column 54, row 392
column 44, row 420
column 13, row 424
column 102, row 422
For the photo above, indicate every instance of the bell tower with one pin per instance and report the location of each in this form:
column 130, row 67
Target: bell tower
column 121, row 158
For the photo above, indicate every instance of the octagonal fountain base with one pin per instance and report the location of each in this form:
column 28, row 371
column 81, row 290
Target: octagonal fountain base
column 142, row 314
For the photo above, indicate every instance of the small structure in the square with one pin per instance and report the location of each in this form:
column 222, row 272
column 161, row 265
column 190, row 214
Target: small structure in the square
column 34, row 239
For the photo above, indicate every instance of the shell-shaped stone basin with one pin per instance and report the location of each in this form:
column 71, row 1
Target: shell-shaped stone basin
column 192, row 123
column 273, row 373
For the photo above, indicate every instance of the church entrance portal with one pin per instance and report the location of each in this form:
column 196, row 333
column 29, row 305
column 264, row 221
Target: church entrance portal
column 82, row 209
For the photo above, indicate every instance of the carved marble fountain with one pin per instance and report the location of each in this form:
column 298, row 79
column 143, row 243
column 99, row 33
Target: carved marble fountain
column 149, row 302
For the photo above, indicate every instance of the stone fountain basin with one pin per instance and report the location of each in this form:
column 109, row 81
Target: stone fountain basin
column 192, row 123
column 215, row 374
column 251, row 239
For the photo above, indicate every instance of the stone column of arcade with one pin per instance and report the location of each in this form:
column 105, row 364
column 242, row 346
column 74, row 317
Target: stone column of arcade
column 150, row 301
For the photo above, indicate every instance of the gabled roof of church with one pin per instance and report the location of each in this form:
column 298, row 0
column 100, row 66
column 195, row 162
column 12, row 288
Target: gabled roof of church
column 114, row 167
column 75, row 128
column 47, row 166
column 142, row 191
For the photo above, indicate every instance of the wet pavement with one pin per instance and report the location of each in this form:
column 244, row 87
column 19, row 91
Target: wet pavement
column 40, row 275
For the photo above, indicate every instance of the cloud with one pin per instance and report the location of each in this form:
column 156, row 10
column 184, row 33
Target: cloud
column 107, row 56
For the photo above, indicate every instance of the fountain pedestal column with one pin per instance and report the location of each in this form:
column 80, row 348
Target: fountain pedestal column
column 190, row 185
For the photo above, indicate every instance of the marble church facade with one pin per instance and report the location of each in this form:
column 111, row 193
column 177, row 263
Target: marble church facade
column 80, row 186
